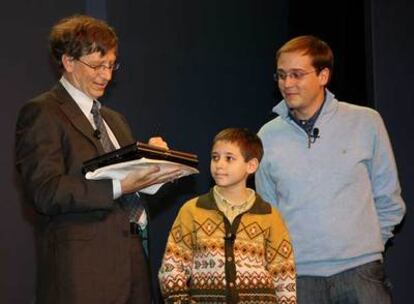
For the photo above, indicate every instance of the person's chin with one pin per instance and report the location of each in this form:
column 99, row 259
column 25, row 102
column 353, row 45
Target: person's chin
column 97, row 93
column 292, row 102
column 220, row 182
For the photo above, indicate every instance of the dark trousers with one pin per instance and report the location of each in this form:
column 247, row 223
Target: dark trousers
column 140, row 275
column 365, row 284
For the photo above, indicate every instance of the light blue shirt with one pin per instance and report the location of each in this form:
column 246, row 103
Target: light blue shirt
column 341, row 197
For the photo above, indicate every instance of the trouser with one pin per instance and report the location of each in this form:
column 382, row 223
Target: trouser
column 141, row 282
column 365, row 284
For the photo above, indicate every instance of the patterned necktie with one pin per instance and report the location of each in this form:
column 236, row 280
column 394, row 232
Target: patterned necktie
column 100, row 127
column 132, row 201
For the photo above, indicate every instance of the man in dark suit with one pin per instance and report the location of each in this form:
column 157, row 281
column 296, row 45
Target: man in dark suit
column 88, row 251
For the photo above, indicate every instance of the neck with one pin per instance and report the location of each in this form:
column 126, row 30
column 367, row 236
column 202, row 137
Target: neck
column 308, row 112
column 235, row 196
column 69, row 78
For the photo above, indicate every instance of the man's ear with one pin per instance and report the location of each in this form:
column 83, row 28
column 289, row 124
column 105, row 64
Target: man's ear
column 68, row 63
column 252, row 165
column 324, row 76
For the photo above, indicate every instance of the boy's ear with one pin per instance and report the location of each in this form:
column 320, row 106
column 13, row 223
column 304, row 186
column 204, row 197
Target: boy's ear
column 252, row 165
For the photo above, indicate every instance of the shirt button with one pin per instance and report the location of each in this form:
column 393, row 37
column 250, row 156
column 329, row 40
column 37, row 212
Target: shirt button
column 229, row 259
column 231, row 284
column 229, row 235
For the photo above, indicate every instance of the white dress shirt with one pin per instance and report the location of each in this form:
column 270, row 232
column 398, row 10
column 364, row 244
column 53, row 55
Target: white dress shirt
column 85, row 104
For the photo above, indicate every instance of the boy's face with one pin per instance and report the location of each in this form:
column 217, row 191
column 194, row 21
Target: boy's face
column 228, row 167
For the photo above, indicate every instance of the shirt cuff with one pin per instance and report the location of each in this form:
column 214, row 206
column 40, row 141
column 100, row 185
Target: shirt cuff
column 116, row 186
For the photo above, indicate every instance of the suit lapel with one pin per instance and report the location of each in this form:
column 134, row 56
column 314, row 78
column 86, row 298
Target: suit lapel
column 80, row 122
column 76, row 116
column 118, row 127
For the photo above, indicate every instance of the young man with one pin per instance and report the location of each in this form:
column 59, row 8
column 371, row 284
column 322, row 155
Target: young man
column 90, row 249
column 229, row 246
column 329, row 168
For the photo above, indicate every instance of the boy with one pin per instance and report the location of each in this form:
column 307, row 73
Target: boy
column 229, row 246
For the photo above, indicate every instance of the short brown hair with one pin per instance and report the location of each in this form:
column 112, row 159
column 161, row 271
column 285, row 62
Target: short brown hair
column 319, row 51
column 249, row 143
column 81, row 35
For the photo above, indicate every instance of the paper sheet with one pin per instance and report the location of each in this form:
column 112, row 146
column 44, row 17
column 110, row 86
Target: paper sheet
column 120, row 170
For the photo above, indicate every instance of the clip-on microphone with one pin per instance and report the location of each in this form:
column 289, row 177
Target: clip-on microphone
column 313, row 137
column 97, row 134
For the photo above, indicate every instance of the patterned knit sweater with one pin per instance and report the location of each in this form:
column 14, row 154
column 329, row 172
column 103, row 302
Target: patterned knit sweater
column 209, row 260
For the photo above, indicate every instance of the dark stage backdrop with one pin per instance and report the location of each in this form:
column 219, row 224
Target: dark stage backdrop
column 24, row 72
column 392, row 61
column 191, row 68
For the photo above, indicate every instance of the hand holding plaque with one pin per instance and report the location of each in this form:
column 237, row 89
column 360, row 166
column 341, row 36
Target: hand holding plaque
column 155, row 165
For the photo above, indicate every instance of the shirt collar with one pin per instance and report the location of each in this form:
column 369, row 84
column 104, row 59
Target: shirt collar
column 83, row 101
column 329, row 105
column 307, row 124
column 225, row 203
column 229, row 209
column 207, row 201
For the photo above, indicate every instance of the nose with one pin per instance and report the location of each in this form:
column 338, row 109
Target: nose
column 106, row 73
column 289, row 81
column 220, row 163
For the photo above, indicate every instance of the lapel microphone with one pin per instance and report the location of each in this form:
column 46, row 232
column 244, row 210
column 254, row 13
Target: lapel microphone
column 312, row 137
column 97, row 134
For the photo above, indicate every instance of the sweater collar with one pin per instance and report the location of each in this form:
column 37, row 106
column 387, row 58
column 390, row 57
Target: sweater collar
column 329, row 106
column 207, row 201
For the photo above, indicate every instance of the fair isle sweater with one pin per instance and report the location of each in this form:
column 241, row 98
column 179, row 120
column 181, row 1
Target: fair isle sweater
column 209, row 260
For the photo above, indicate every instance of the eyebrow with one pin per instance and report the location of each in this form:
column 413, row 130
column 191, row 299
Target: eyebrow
column 291, row 70
column 225, row 153
column 98, row 62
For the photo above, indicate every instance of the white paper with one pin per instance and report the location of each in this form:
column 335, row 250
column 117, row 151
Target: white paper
column 120, row 170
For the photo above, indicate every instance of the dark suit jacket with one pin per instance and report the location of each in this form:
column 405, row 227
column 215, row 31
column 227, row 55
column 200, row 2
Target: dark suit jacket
column 85, row 250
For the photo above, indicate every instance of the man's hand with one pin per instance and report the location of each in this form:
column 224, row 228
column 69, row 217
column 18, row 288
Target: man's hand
column 158, row 141
column 149, row 175
column 146, row 177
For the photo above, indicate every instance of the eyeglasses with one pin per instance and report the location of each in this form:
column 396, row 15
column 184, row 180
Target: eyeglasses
column 101, row 67
column 295, row 74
